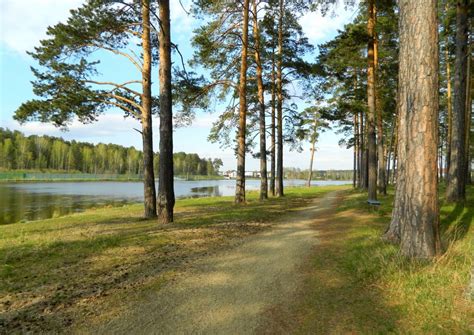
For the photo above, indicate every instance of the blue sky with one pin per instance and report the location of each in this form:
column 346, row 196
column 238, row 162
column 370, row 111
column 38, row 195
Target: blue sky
column 19, row 35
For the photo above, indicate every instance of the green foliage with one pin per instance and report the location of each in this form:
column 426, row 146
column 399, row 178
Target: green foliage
column 66, row 79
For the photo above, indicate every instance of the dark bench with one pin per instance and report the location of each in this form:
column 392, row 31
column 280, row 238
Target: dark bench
column 373, row 203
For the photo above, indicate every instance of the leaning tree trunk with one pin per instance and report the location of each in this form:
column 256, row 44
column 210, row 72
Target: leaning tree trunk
column 240, row 180
column 146, row 120
column 456, row 188
column 371, row 142
column 416, row 211
column 279, row 184
column 261, row 107
column 166, row 198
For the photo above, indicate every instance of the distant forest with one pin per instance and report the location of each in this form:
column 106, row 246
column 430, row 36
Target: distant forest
column 296, row 173
column 20, row 152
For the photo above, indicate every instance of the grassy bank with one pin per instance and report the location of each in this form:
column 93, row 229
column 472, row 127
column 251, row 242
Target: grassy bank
column 358, row 284
column 62, row 272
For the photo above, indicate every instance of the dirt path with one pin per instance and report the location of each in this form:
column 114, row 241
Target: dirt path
column 229, row 293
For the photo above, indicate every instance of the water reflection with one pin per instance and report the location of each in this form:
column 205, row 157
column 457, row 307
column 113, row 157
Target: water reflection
column 34, row 201
column 205, row 191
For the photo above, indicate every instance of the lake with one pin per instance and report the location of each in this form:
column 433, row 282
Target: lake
column 35, row 201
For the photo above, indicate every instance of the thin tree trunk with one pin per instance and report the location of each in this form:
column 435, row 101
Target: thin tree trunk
column 456, row 188
column 390, row 150
column 261, row 105
column 381, row 183
column 356, row 150
column 166, row 197
column 363, row 156
column 450, row 107
column 273, row 130
column 240, row 180
column 416, row 211
column 468, row 116
column 279, row 184
column 310, row 173
column 371, row 141
column 146, row 120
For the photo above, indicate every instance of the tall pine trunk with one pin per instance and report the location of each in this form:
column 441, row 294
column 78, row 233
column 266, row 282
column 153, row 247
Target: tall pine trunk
column 449, row 104
column 166, row 197
column 273, row 128
column 362, row 153
column 371, row 141
column 240, row 180
column 468, row 115
column 279, row 183
column 356, row 151
column 456, row 188
column 261, row 107
column 415, row 218
column 381, row 183
column 146, row 120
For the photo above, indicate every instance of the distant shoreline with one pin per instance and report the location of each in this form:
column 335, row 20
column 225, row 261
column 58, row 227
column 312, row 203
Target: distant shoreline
column 34, row 176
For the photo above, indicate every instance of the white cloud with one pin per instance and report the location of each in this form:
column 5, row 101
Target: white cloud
column 110, row 128
column 319, row 28
column 24, row 22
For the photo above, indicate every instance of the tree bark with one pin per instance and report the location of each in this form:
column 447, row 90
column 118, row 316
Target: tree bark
column 313, row 148
column 390, row 150
column 279, row 184
column 261, row 106
column 166, row 197
column 362, row 155
column 240, row 180
column 450, row 108
column 371, row 141
column 456, row 188
column 416, row 214
column 273, row 129
column 467, row 161
column 381, row 183
column 146, row 120
column 356, row 150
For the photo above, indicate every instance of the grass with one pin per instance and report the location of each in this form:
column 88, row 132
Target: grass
column 62, row 273
column 59, row 273
column 356, row 283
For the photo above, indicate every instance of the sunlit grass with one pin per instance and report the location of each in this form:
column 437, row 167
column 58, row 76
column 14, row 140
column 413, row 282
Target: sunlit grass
column 381, row 291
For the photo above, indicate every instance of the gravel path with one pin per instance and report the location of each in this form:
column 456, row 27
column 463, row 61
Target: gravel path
column 228, row 293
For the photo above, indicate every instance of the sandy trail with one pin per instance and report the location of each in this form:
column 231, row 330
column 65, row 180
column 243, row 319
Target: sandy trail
column 229, row 292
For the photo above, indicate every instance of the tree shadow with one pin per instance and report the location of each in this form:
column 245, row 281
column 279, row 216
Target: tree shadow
column 457, row 223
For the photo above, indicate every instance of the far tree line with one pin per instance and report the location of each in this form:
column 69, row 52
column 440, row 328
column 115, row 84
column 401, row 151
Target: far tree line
column 47, row 153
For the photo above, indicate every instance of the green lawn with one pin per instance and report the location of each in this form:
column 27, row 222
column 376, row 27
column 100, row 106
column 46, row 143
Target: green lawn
column 356, row 283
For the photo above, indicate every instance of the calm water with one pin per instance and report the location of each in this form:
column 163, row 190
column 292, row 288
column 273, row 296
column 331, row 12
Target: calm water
column 34, row 201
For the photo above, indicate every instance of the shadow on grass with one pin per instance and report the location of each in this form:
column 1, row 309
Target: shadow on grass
column 457, row 223
column 341, row 295
column 92, row 255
